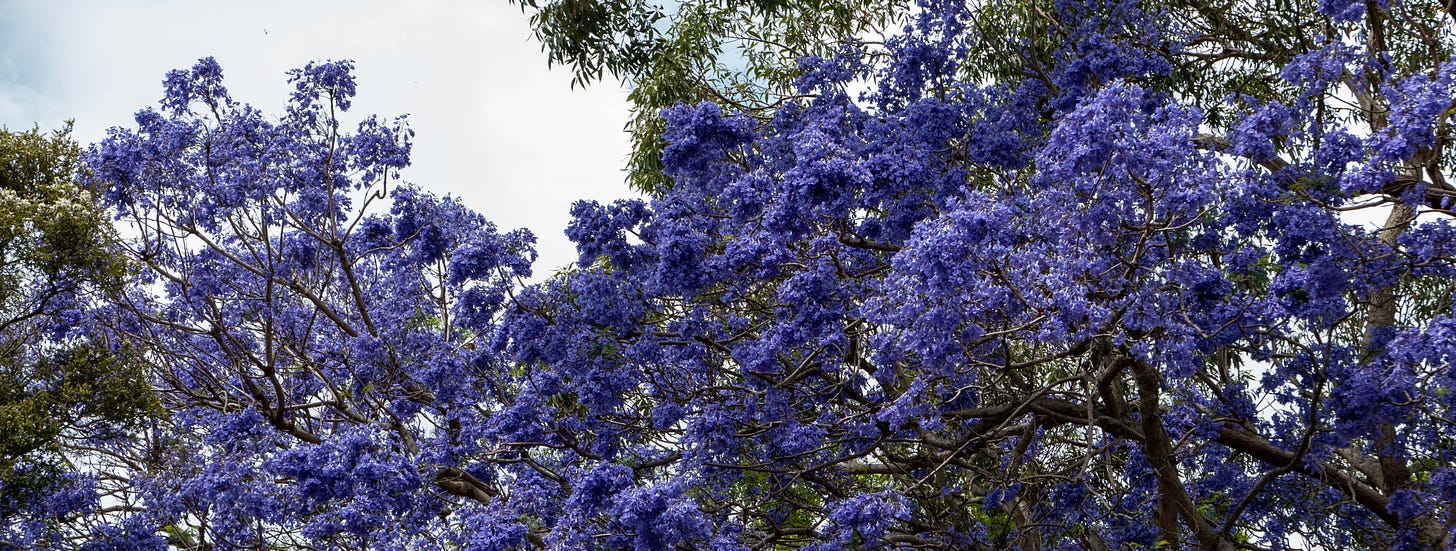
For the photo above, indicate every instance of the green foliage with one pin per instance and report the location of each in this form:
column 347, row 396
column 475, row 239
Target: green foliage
column 740, row 53
column 58, row 384
column 53, row 238
column 82, row 393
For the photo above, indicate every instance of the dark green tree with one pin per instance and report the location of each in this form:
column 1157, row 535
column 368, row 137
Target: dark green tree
column 61, row 384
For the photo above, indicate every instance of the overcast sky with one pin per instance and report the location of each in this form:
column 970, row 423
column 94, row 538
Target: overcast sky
column 494, row 126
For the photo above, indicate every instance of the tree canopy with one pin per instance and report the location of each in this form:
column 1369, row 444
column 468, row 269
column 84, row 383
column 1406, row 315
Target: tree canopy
column 1082, row 274
column 63, row 384
column 1105, row 295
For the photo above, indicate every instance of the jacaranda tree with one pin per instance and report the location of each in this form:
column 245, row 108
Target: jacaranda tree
column 1059, row 308
column 316, row 326
column 928, row 305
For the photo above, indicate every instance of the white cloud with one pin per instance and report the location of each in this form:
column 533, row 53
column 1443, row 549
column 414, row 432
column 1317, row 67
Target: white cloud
column 494, row 126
